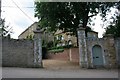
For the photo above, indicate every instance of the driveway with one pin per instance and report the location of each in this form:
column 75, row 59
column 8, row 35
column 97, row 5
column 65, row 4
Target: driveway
column 60, row 64
column 13, row 72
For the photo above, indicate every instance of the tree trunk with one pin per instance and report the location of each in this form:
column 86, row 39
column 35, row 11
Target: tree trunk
column 77, row 40
column 85, row 21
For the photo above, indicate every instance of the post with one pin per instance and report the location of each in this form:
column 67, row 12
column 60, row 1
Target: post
column 70, row 54
column 0, row 44
column 38, row 48
column 82, row 48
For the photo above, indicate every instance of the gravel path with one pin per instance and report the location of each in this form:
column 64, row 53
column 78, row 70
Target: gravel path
column 59, row 64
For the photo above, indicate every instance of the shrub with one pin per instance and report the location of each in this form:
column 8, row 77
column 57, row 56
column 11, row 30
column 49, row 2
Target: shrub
column 56, row 50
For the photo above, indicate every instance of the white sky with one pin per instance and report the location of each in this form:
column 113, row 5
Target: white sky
column 16, row 19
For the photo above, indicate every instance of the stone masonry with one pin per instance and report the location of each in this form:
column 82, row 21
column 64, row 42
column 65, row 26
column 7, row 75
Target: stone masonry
column 17, row 53
column 28, row 53
column 82, row 47
column 108, row 46
column 38, row 48
column 21, row 52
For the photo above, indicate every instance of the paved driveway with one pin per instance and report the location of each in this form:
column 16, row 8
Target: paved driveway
column 8, row 72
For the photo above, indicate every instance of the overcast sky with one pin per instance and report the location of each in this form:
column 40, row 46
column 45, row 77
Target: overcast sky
column 18, row 18
column 21, row 18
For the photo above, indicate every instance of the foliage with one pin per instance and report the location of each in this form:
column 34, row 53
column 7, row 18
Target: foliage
column 60, row 47
column 30, row 37
column 50, row 44
column 56, row 50
column 4, row 30
column 44, row 43
column 68, row 16
column 114, row 29
column 68, row 46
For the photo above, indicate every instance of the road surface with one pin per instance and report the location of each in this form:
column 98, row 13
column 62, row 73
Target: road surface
column 13, row 72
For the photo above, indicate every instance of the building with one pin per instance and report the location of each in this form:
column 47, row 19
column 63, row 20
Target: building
column 29, row 34
column 64, row 38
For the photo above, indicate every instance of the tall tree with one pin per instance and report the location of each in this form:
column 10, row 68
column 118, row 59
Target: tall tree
column 114, row 29
column 68, row 16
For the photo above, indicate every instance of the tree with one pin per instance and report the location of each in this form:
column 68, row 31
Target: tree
column 4, row 30
column 67, row 16
column 114, row 29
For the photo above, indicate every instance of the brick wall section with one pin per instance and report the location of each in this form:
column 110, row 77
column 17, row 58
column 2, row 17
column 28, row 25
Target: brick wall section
column 17, row 53
column 60, row 56
column 65, row 55
column 75, row 54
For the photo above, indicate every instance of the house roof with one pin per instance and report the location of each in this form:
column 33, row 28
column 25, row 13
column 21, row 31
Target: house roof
column 27, row 28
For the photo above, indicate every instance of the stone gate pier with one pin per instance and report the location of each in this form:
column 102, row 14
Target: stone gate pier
column 82, row 48
column 38, row 48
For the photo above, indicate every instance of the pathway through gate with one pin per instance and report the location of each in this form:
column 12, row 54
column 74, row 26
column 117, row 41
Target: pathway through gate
column 60, row 64
column 68, row 59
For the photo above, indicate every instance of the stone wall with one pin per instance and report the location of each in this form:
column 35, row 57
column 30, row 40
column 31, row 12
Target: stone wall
column 17, row 53
column 24, row 53
column 90, row 43
column 0, row 51
column 117, row 46
column 108, row 51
